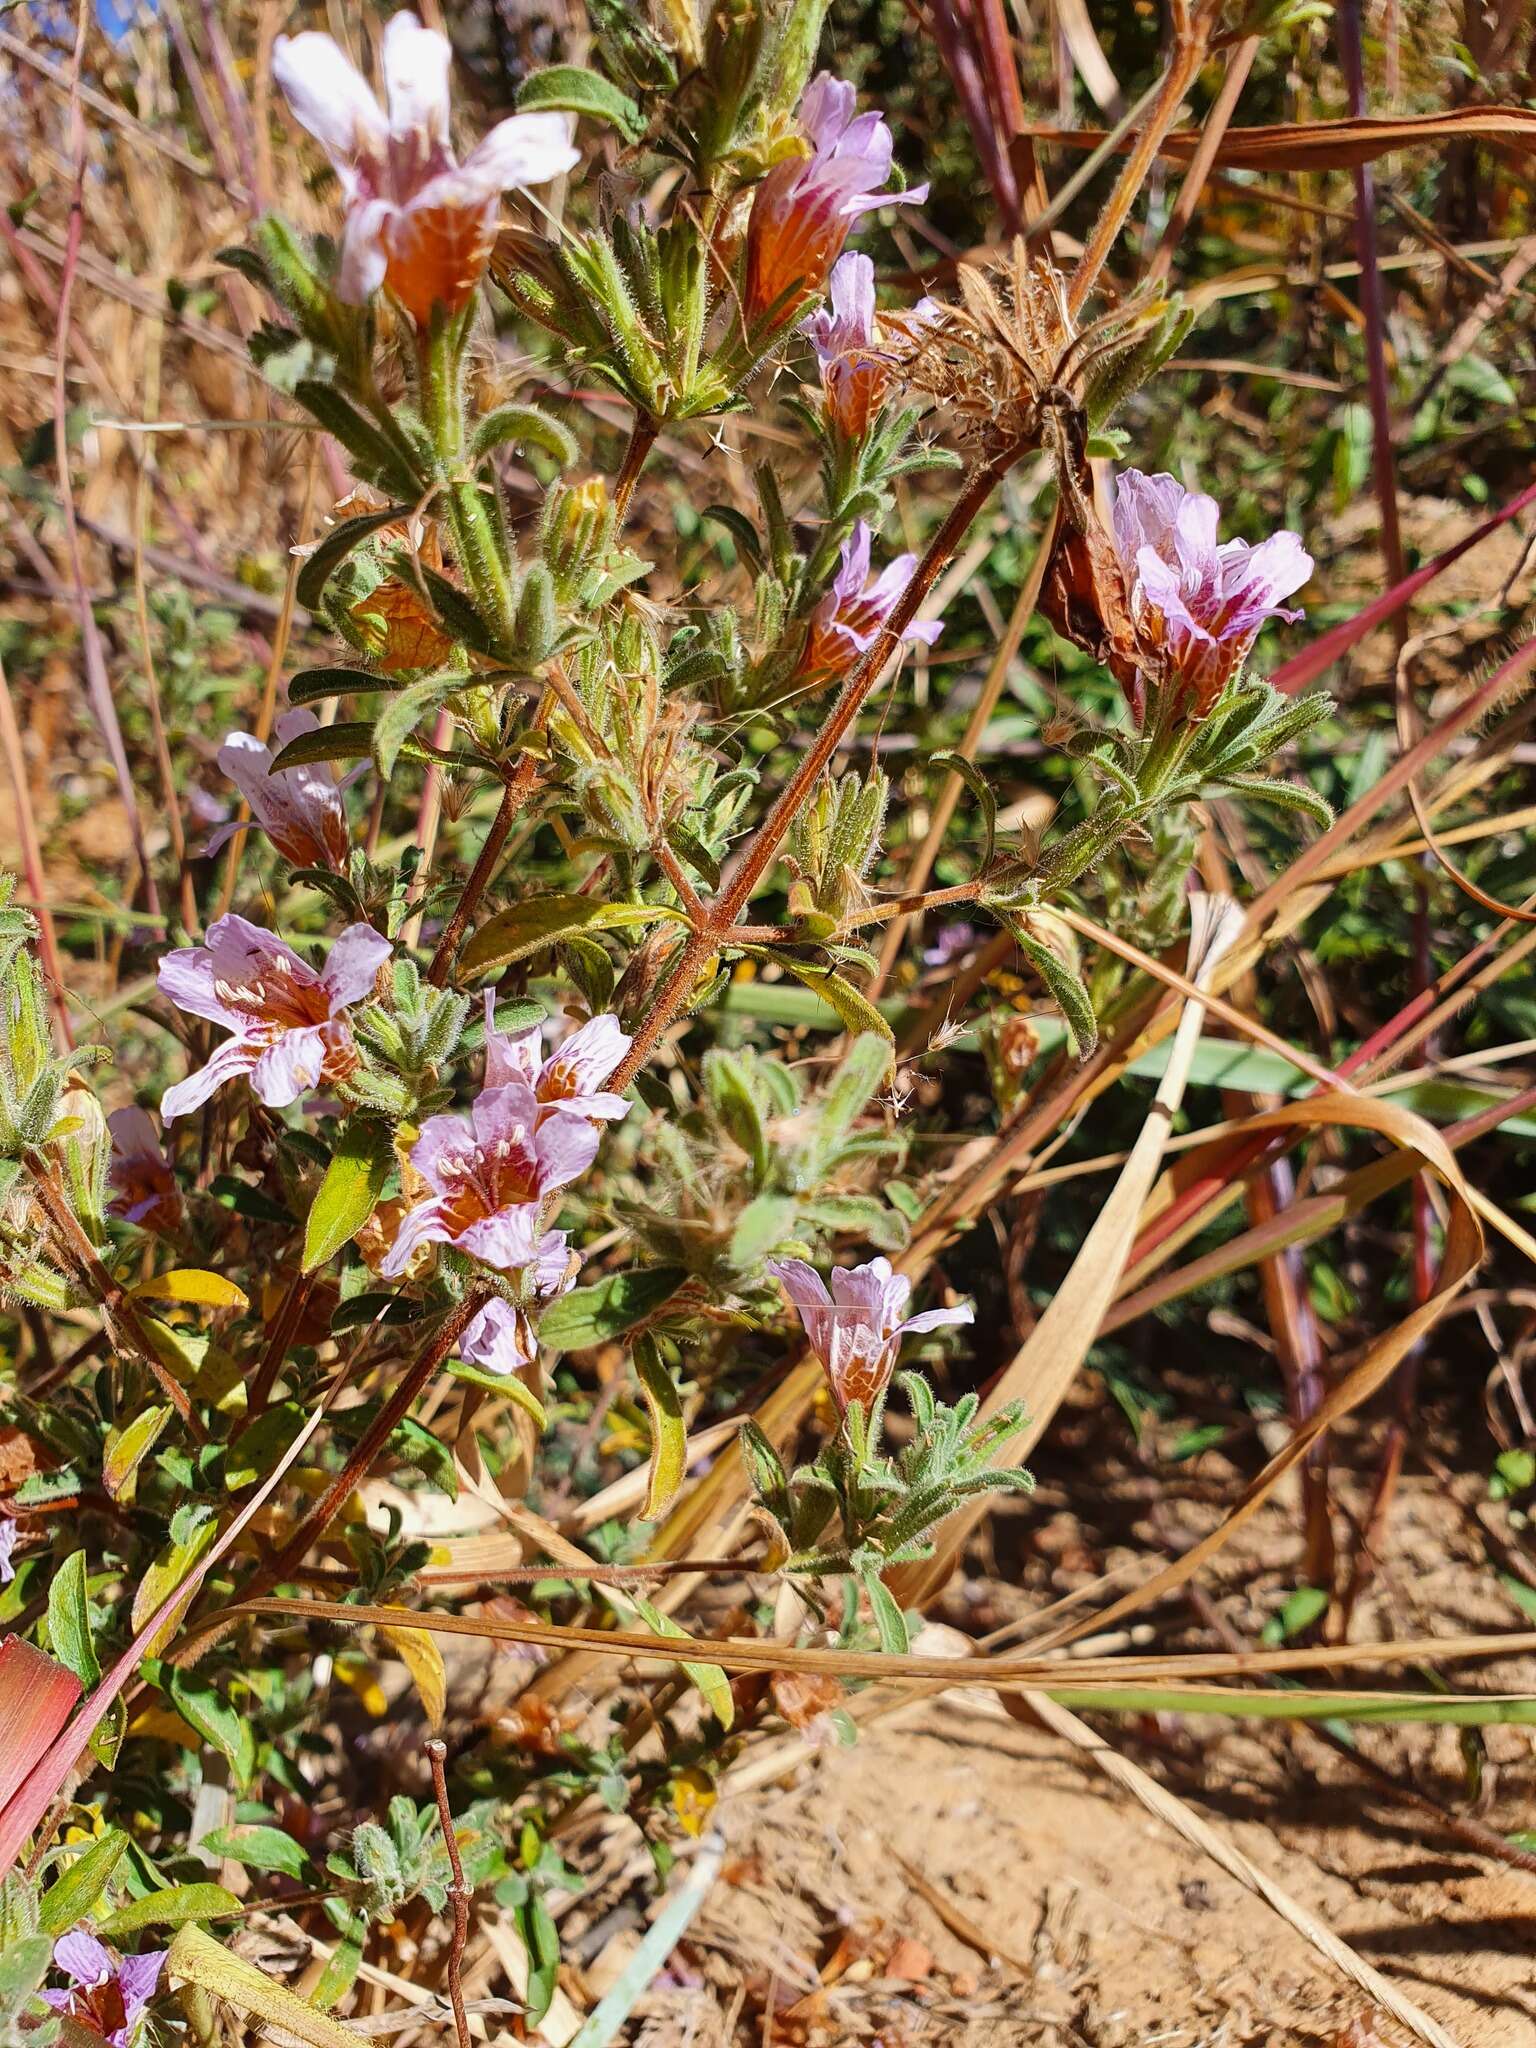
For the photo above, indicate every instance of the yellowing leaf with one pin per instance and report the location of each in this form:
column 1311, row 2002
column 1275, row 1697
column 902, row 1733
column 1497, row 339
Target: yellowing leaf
column 418, row 1652
column 164, row 1724
column 669, row 1439
column 360, row 1677
column 128, row 1446
column 191, row 1284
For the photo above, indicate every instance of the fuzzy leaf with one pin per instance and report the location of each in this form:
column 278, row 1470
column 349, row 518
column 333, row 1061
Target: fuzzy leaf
column 192, row 1285
column 259, row 1848
column 856, row 1012
column 177, row 1905
column 314, row 685
column 591, row 1315
column 350, row 1192
column 571, row 89
column 669, row 1439
column 129, row 1446
column 336, row 546
column 526, row 927
column 82, row 1884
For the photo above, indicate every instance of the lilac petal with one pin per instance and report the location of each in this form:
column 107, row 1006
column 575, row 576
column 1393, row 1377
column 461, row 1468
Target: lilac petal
column 554, row 1269
column 442, row 1140
column 133, row 1133
column 61, row 2001
column 329, row 96
column 602, row 1108
column 510, row 1056
column 235, row 1057
column 1145, row 512
column 592, row 1053
column 419, row 1226
column 826, row 108
column 217, row 841
column 364, row 258
column 808, row 1296
column 1280, row 565
column 566, row 1148
column 873, row 1292
column 247, row 761
column 138, row 1979
column 290, row 1067
column 240, row 951
column 8, row 1534
column 505, row 1116
column 83, row 1957
column 499, row 1339
column 524, row 150
column 355, row 959
column 851, row 577
column 938, row 1319
column 888, row 586
column 188, row 977
column 415, row 64
column 507, row 1240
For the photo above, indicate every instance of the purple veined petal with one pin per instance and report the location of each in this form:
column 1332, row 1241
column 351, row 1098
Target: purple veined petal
column 938, row 1319
column 61, row 2001
column 505, row 1117
column 329, row 96
column 875, row 1292
column 188, row 977
column 848, row 320
column 217, row 841
column 8, row 1534
column 235, row 1057
column 522, row 151
column 853, row 573
column 826, row 107
column 1164, row 587
column 591, row 1053
column 566, row 1147
column 138, row 1979
column 442, row 1141
column 1280, row 565
column 247, row 761
column 133, row 1132
column 554, row 1270
column 292, row 725
column 507, row 1241
column 1194, row 534
column 602, row 1108
column 415, row 63
column 510, row 1056
column 240, row 951
column 419, row 1226
column 81, row 1956
column 924, row 630
column 355, row 959
column 891, row 583
column 364, row 257
column 860, row 203
column 500, row 1339
column 1145, row 511
column 289, row 1067
column 809, row 1298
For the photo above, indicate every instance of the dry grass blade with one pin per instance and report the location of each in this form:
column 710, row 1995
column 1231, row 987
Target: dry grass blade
column 1044, row 1368
column 1324, row 145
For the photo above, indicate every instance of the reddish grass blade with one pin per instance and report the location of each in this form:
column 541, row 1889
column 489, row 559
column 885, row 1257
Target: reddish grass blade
column 37, row 1698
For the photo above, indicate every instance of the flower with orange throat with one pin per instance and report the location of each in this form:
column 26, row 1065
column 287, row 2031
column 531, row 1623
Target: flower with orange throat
column 852, row 344
column 805, row 209
column 856, row 611
column 419, row 222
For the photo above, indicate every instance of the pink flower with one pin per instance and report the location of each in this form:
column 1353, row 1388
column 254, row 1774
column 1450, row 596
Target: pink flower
column 8, row 1534
column 106, row 1997
column 488, row 1175
column 418, row 221
column 570, row 1079
column 299, row 809
column 146, row 1190
column 501, row 1338
column 290, row 1034
column 804, row 210
column 852, row 615
column 857, row 1328
column 1200, row 601
column 847, row 334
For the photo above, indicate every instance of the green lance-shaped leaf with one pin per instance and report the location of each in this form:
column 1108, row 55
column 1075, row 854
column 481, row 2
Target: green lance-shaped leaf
column 528, row 424
column 572, row 89
column 206, row 1710
column 259, row 1848
column 197, row 1958
column 981, row 789
column 516, row 932
column 350, row 1192
column 856, row 1012
column 334, row 549
column 709, row 1678
column 176, row 1905
column 669, row 1438
column 376, row 455
column 69, row 1620
column 82, row 1884
column 1066, row 988
column 596, row 1314
column 315, row 685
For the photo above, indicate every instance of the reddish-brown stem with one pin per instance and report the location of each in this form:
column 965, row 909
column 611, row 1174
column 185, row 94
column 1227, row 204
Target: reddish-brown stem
column 458, row 1891
column 289, row 1313
column 518, row 789
column 642, row 439
column 1183, row 66
column 113, row 1299
column 861, row 680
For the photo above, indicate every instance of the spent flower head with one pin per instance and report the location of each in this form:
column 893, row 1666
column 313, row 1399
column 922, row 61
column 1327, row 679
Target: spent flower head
column 856, row 1327
column 418, row 222
column 288, row 1023
column 805, row 209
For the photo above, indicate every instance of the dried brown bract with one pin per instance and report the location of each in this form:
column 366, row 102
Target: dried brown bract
column 1012, row 362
